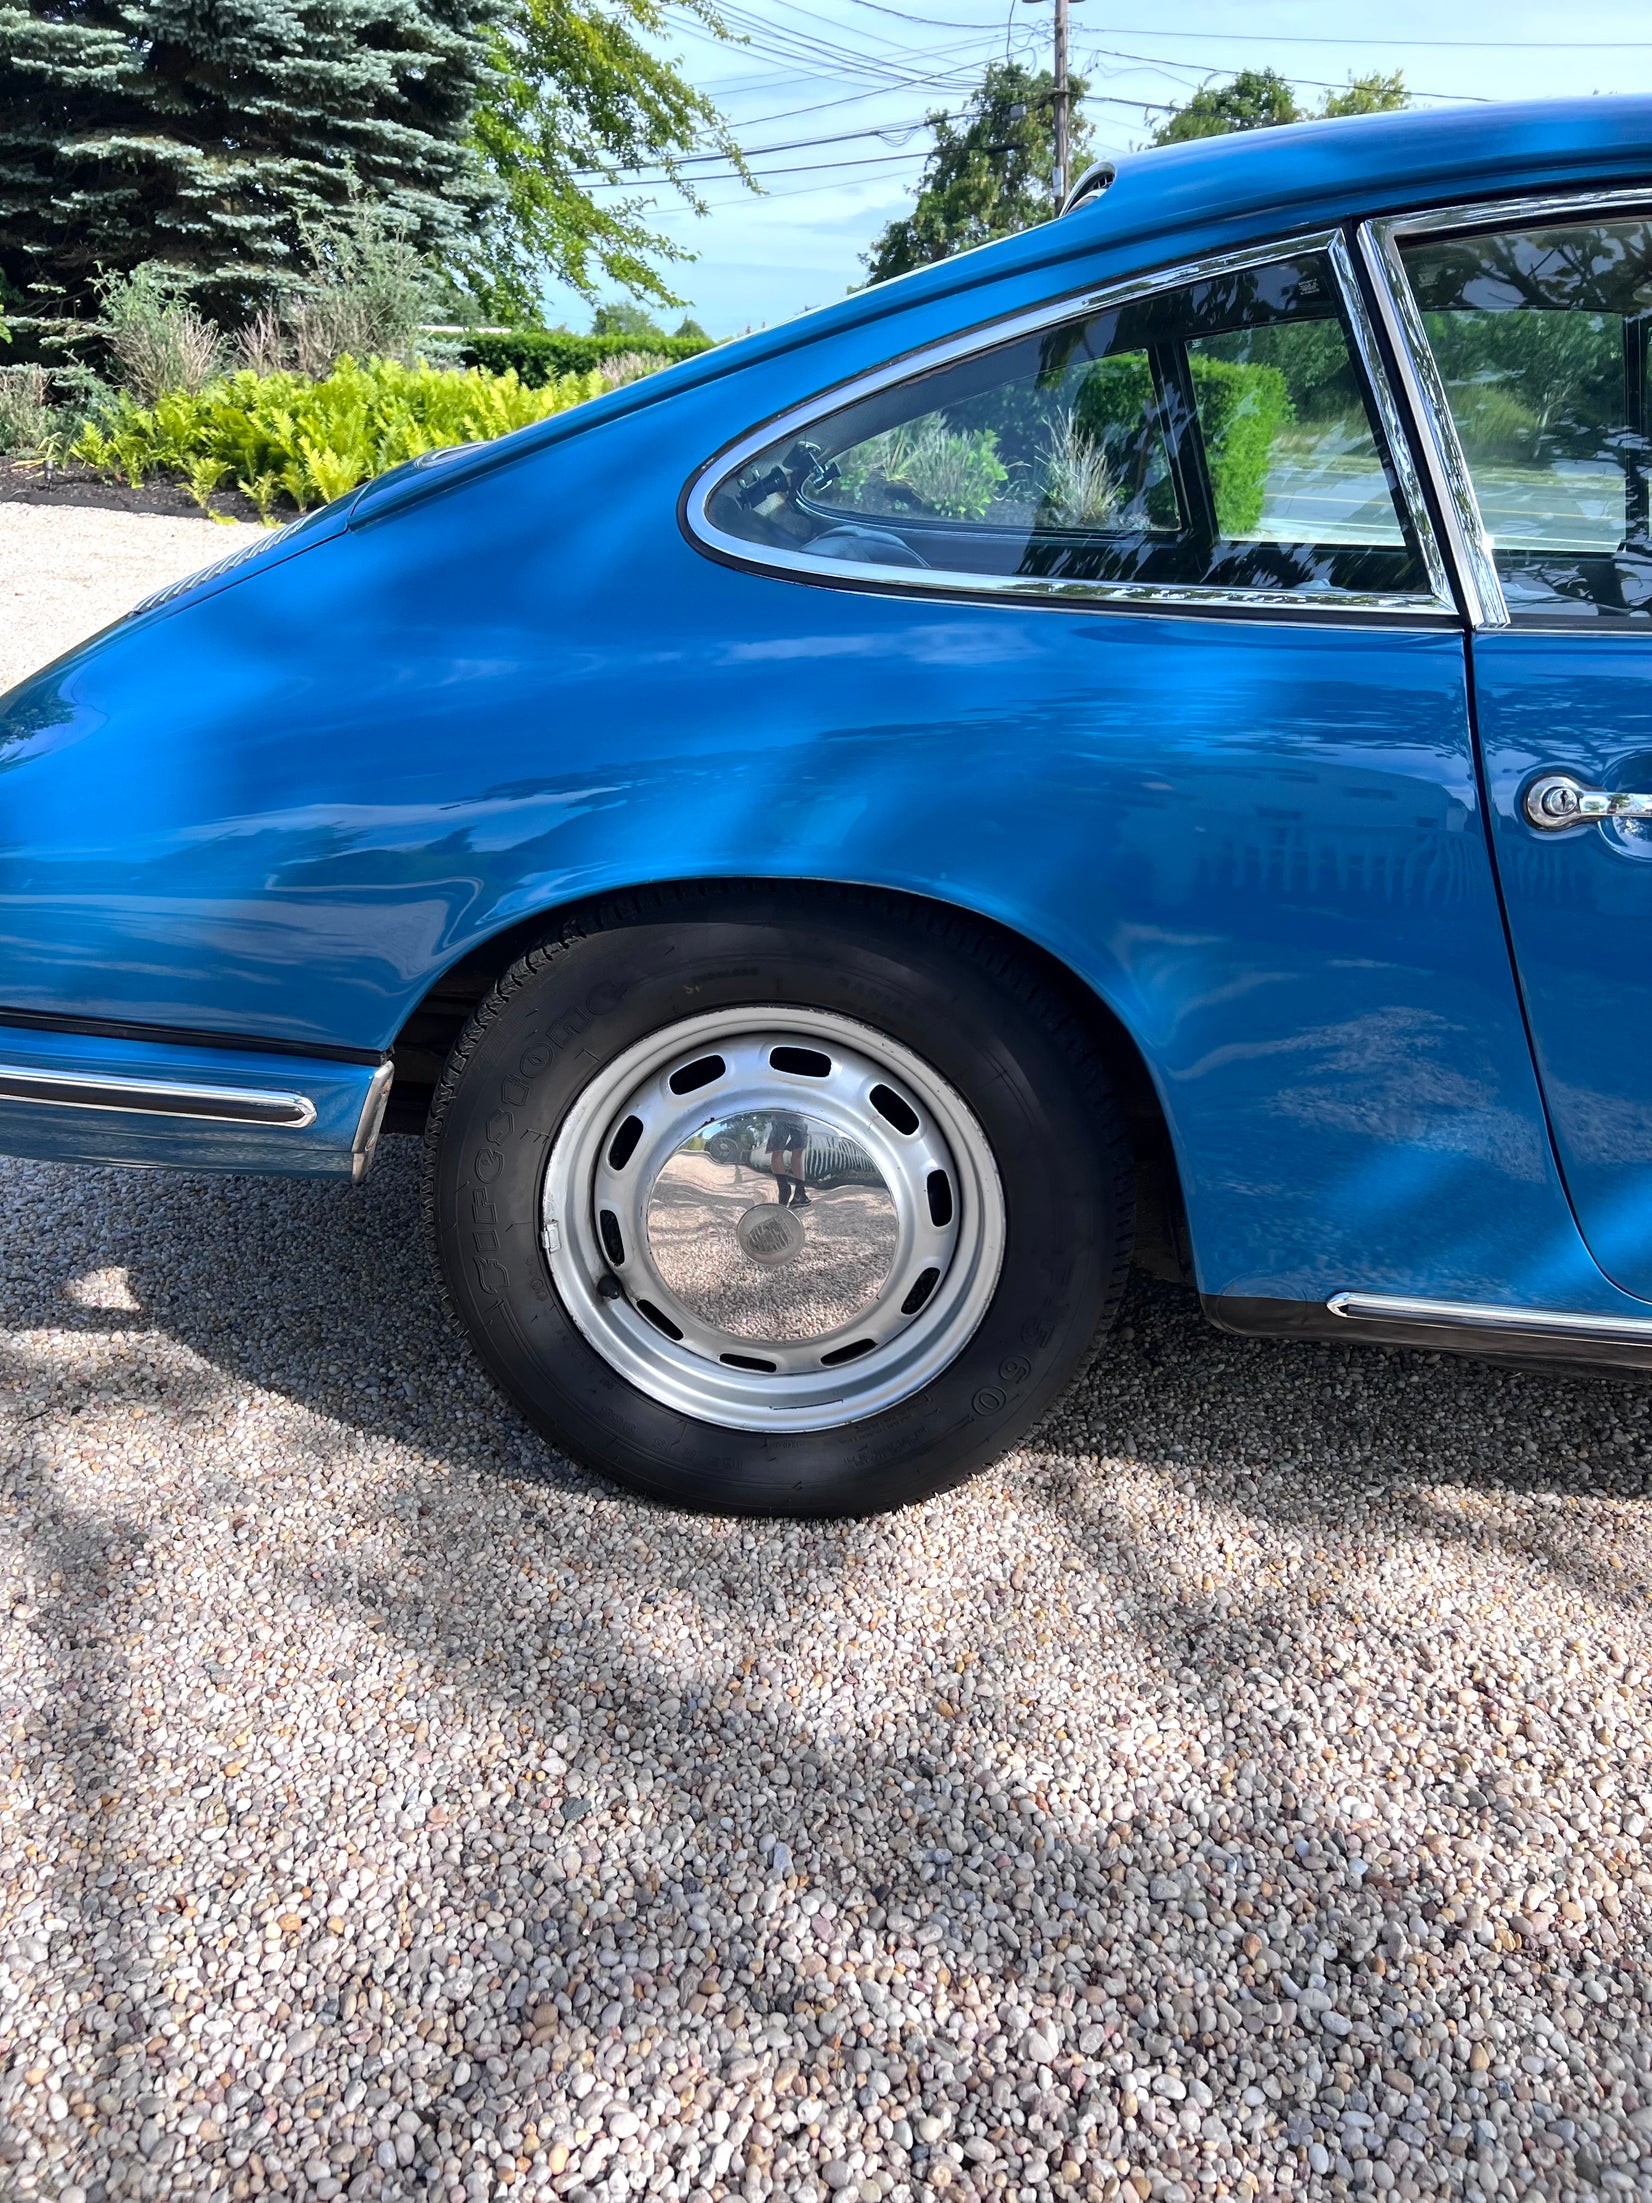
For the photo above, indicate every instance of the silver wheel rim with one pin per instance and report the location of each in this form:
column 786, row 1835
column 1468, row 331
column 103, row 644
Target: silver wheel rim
column 672, row 1223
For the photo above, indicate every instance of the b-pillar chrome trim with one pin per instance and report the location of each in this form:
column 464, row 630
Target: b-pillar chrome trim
column 365, row 1146
column 1465, row 531
column 156, row 1098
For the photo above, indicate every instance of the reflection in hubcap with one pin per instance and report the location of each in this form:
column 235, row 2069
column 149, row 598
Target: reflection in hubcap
column 772, row 1228
column 773, row 1218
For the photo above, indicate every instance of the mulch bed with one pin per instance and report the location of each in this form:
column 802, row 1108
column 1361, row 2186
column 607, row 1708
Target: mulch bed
column 30, row 482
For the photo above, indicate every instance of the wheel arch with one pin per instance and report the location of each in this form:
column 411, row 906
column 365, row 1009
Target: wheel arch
column 435, row 1022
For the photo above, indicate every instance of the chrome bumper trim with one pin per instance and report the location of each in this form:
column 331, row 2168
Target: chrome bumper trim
column 1452, row 1315
column 156, row 1098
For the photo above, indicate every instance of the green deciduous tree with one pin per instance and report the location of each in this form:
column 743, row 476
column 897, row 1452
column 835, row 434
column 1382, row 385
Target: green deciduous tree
column 1261, row 99
column 577, row 98
column 989, row 174
column 206, row 135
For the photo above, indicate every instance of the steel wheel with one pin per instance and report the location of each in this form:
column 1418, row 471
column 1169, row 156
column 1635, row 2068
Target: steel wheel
column 773, row 1218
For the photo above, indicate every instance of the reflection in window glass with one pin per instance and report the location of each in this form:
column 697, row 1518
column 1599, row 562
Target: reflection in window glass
column 1213, row 435
column 1540, row 339
column 1292, row 454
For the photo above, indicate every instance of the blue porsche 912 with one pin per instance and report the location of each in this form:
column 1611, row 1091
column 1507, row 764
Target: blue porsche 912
column 1135, row 740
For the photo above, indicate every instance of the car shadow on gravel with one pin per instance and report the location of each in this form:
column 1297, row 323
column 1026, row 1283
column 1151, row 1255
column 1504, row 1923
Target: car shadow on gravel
column 1069, row 1768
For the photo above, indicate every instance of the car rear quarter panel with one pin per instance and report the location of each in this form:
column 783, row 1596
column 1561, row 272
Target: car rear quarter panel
column 284, row 810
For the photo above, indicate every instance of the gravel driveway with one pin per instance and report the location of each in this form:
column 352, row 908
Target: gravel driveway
column 67, row 570
column 1242, row 1792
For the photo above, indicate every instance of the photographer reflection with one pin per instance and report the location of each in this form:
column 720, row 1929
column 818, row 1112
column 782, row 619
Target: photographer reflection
column 788, row 1141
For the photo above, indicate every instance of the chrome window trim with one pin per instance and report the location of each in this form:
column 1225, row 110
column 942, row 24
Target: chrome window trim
column 1195, row 597
column 1379, row 243
column 245, row 1105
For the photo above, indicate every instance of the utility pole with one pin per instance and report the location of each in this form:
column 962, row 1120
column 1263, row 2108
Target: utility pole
column 1062, row 102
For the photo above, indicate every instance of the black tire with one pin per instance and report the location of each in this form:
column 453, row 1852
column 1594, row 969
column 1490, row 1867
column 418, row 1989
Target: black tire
column 955, row 995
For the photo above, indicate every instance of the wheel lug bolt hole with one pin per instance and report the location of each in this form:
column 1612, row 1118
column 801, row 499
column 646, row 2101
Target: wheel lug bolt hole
column 623, row 1145
column 895, row 1109
column 703, row 1071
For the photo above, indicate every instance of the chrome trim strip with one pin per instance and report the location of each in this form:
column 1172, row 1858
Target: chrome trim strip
column 1393, row 423
column 938, row 581
column 365, row 1144
column 1535, row 207
column 155, row 1098
column 1477, row 576
column 1469, row 1315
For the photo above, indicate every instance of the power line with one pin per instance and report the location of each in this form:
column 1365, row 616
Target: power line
column 1457, row 45
column 761, row 152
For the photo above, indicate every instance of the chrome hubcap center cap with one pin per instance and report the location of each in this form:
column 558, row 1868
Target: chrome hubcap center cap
column 771, row 1216
column 797, row 1262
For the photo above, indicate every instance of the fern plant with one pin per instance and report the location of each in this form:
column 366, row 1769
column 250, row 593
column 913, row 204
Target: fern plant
column 318, row 440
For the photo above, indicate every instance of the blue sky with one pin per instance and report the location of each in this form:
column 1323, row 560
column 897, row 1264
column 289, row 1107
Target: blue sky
column 816, row 69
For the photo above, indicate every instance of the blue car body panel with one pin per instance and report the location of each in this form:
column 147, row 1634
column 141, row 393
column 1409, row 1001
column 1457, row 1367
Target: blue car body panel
column 280, row 805
column 1580, row 914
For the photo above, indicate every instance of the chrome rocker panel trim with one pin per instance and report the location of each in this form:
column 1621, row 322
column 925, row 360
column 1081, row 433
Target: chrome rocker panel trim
column 1192, row 597
column 1435, row 1326
column 156, row 1098
column 366, row 1143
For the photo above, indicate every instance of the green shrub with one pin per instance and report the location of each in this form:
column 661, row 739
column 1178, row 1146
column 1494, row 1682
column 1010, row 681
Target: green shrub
column 924, row 463
column 157, row 339
column 1242, row 408
column 540, row 356
column 313, row 441
column 25, row 410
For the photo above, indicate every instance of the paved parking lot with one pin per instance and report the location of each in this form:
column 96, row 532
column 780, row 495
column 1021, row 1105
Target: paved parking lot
column 1241, row 1792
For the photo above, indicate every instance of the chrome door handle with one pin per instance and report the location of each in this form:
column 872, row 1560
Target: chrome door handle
column 1556, row 800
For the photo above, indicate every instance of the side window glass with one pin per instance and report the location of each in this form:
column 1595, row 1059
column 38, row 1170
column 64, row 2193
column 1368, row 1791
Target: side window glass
column 1540, row 337
column 1215, row 435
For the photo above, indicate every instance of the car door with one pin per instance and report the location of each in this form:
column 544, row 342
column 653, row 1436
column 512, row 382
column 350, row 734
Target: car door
column 1530, row 326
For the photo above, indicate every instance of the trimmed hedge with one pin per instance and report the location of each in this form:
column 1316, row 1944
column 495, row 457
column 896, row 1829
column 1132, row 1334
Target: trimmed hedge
column 539, row 356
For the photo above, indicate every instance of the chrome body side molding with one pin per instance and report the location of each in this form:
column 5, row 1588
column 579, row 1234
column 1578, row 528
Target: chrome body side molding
column 159, row 1101
column 155, row 1097
column 1436, row 1326
column 1474, row 1316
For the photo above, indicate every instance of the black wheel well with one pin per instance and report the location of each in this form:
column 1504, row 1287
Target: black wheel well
column 427, row 1037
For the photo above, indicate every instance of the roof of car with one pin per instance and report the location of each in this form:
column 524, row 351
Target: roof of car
column 1376, row 163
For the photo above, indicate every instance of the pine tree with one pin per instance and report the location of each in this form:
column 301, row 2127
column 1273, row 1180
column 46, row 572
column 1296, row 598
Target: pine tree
column 210, row 135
